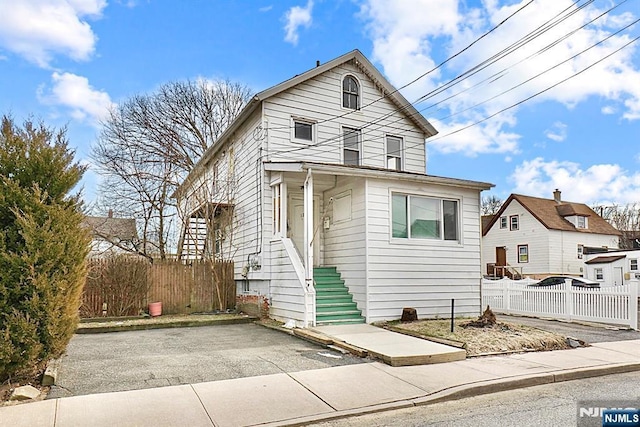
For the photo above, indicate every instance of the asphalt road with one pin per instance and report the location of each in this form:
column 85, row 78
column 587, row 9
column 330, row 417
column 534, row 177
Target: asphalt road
column 98, row 363
column 589, row 334
column 547, row 405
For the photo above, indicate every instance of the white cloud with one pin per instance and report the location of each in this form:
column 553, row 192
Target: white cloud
column 39, row 29
column 557, row 133
column 608, row 110
column 603, row 183
column 403, row 33
column 266, row 8
column 75, row 93
column 297, row 17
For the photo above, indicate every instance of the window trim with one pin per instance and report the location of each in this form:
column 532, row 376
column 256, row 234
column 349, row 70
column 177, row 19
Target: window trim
column 598, row 272
column 513, row 227
column 582, row 226
column 358, row 92
column 506, row 222
column 633, row 261
column 400, row 155
column 359, row 150
column 520, row 255
column 301, row 120
column 441, row 231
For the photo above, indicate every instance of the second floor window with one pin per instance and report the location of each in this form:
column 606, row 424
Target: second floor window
column 503, row 222
column 580, row 251
column 514, row 222
column 351, row 140
column 350, row 93
column 394, row 153
column 303, row 130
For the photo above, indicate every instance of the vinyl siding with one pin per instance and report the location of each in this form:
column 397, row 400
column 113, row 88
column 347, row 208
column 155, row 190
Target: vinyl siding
column 563, row 250
column 287, row 295
column 344, row 242
column 320, row 100
column 422, row 273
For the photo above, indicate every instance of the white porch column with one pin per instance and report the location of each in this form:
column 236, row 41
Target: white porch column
column 310, row 303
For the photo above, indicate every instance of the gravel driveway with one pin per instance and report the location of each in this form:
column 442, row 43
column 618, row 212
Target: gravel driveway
column 98, row 363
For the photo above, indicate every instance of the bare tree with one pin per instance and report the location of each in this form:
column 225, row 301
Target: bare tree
column 490, row 205
column 149, row 143
column 211, row 222
column 626, row 219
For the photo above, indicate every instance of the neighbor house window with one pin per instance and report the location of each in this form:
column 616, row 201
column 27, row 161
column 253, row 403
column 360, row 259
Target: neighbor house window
column 513, row 220
column 580, row 251
column 599, row 275
column 503, row 222
column 633, row 264
column 415, row 217
column 394, row 153
column 350, row 93
column 582, row 222
column 303, row 130
column 351, row 138
column 523, row 253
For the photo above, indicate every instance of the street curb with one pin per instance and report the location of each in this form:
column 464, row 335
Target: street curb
column 174, row 324
column 468, row 390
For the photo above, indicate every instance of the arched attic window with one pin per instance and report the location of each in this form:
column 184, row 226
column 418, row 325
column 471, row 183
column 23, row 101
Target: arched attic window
column 350, row 93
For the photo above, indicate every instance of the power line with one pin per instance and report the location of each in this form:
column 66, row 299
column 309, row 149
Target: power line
column 558, row 18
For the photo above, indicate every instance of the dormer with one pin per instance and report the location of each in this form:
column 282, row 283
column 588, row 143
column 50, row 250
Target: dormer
column 569, row 213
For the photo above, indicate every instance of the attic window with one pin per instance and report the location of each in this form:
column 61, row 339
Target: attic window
column 581, row 222
column 350, row 93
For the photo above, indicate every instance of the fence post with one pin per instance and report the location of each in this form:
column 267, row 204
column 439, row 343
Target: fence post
column 633, row 303
column 568, row 299
column 506, row 295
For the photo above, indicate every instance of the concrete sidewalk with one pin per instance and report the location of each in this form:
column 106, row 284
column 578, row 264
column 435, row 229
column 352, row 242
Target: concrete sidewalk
column 305, row 397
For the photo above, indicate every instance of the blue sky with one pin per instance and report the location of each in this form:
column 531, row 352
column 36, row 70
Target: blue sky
column 68, row 61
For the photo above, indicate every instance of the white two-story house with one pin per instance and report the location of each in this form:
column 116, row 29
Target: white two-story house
column 334, row 216
column 538, row 237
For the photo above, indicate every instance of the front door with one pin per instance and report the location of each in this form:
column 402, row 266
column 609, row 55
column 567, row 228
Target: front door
column 617, row 276
column 501, row 256
column 296, row 226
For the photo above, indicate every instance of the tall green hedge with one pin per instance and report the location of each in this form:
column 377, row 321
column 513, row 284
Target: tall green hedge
column 43, row 246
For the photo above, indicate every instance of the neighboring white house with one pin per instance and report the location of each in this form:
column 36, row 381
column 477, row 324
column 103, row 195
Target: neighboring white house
column 327, row 169
column 541, row 237
column 613, row 268
column 111, row 236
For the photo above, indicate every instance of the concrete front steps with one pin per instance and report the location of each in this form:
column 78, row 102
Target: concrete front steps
column 334, row 303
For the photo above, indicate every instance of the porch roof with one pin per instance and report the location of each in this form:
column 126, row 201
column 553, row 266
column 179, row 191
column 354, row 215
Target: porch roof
column 373, row 172
column 605, row 259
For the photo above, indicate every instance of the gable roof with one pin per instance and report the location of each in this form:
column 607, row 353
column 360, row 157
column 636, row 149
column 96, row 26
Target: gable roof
column 111, row 228
column 359, row 60
column 551, row 214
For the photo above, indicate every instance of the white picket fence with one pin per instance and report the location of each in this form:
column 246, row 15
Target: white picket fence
column 616, row 305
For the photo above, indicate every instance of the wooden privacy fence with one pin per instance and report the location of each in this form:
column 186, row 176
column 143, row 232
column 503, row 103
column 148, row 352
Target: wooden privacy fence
column 124, row 286
column 612, row 304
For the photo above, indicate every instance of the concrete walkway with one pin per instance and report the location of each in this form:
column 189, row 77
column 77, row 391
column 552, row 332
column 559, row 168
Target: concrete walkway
column 309, row 396
column 393, row 348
